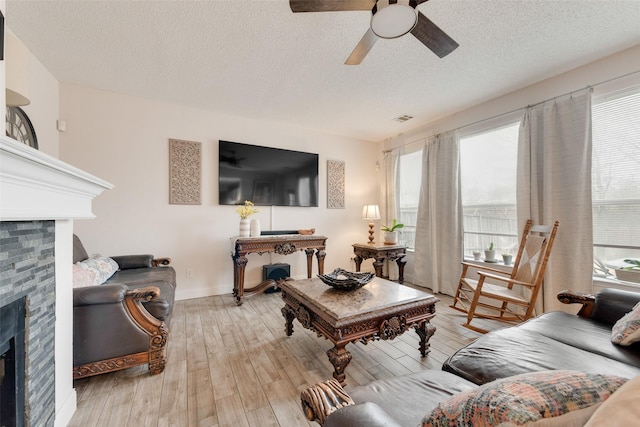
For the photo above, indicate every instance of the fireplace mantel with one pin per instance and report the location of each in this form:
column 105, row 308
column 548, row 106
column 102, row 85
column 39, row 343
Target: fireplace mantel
column 37, row 187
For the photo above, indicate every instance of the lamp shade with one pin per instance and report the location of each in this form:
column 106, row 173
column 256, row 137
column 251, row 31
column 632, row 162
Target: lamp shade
column 371, row 212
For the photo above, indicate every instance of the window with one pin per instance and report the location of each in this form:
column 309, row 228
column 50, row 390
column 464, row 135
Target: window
column 615, row 180
column 409, row 178
column 488, row 164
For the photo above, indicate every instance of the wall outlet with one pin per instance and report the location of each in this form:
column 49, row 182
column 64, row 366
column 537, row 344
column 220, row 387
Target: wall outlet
column 189, row 273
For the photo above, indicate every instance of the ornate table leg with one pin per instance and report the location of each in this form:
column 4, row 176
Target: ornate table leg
column 320, row 254
column 289, row 315
column 339, row 358
column 358, row 259
column 425, row 331
column 377, row 264
column 309, row 252
column 401, row 262
column 239, row 263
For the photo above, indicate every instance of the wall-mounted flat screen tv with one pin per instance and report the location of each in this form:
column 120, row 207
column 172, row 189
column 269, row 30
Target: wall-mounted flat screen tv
column 266, row 176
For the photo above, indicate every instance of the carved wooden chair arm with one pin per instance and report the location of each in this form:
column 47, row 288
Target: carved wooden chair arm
column 150, row 293
column 160, row 261
column 133, row 300
column 588, row 301
column 322, row 399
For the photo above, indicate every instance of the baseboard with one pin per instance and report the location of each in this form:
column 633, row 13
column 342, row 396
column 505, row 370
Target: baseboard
column 68, row 408
column 197, row 293
column 182, row 294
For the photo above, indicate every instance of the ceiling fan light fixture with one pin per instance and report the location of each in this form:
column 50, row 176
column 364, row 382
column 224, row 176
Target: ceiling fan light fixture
column 391, row 19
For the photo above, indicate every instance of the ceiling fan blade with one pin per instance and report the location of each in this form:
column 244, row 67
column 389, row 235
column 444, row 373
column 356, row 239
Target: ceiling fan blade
column 362, row 48
column 433, row 37
column 330, row 5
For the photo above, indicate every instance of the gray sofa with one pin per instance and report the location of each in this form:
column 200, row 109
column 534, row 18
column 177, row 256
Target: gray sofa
column 551, row 341
column 125, row 321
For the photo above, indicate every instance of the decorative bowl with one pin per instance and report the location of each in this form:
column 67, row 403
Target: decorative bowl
column 346, row 280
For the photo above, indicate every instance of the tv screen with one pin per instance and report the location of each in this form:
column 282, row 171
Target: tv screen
column 266, row 176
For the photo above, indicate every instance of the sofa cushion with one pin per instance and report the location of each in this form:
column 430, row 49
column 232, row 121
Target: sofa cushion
column 586, row 334
column 526, row 398
column 516, row 350
column 626, row 331
column 621, row 409
column 102, row 267
column 429, row 387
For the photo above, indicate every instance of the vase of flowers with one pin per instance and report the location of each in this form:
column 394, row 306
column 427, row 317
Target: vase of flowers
column 246, row 210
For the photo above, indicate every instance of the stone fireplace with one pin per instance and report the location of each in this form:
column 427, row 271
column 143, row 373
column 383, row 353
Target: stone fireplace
column 40, row 197
column 27, row 286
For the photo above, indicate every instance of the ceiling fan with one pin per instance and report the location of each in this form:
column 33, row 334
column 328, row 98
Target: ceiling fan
column 389, row 19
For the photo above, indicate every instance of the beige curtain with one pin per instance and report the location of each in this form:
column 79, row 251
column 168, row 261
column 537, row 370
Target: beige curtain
column 389, row 186
column 554, row 183
column 438, row 248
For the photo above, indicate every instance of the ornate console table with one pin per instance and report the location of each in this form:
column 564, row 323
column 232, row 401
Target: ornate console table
column 379, row 254
column 284, row 244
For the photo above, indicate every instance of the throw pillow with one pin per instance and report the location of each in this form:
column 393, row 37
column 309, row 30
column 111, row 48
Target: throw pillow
column 526, row 399
column 82, row 277
column 102, row 266
column 626, row 331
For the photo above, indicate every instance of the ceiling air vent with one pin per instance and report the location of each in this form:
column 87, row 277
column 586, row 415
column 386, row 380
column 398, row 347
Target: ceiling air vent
column 403, row 118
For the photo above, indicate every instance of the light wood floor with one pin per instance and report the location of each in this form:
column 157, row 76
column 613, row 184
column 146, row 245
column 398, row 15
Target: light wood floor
column 249, row 375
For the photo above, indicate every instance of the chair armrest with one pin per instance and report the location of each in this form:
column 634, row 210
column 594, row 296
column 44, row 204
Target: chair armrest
column 576, row 297
column 160, row 261
column 126, row 262
column 367, row 414
column 102, row 294
column 320, row 400
column 505, row 279
column 486, row 268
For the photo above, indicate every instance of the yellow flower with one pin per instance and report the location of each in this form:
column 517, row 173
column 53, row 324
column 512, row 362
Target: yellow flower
column 247, row 209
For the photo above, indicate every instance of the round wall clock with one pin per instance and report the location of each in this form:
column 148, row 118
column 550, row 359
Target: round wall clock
column 19, row 127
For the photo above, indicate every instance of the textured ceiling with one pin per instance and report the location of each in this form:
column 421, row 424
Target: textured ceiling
column 257, row 59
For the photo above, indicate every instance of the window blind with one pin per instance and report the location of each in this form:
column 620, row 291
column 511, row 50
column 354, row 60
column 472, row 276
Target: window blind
column 616, row 173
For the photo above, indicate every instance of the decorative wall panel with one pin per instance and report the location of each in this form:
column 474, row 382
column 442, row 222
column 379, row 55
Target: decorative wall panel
column 185, row 172
column 335, row 184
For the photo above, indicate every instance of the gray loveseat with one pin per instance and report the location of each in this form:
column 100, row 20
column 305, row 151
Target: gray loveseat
column 125, row 321
column 551, row 341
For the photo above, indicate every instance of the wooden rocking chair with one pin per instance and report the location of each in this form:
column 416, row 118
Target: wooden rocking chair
column 516, row 301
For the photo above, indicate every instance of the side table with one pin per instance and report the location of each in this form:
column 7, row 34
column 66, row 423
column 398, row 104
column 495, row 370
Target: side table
column 379, row 254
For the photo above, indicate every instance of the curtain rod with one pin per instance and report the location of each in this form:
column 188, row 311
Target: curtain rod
column 588, row 87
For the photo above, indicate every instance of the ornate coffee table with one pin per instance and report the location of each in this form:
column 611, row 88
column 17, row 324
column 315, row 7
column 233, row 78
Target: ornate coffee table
column 379, row 310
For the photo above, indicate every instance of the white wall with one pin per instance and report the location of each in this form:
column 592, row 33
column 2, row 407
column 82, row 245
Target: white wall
column 43, row 109
column 619, row 70
column 124, row 140
column 611, row 67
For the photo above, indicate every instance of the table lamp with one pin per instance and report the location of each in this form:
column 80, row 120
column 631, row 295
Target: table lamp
column 371, row 212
